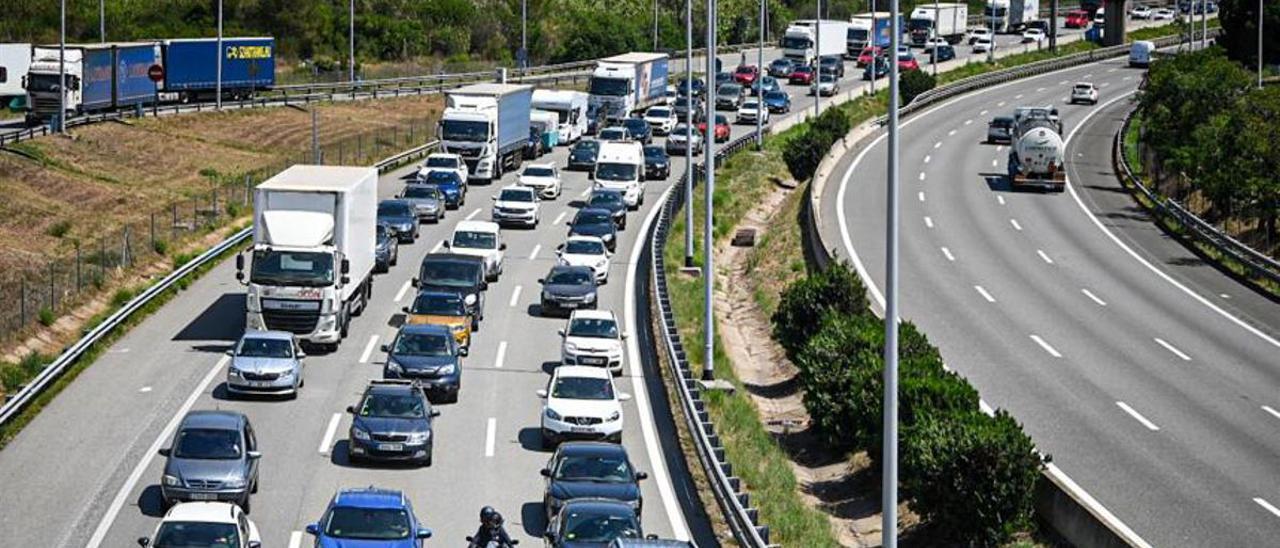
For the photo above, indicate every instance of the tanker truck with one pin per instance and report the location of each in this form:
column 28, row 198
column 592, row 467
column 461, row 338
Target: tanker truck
column 1038, row 151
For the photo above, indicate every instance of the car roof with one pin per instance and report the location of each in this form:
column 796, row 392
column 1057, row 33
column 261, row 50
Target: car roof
column 392, row 387
column 425, row 329
column 593, row 315
column 583, row 371
column 548, row 165
column 275, row 335
column 600, row 505
column 592, row 448
column 452, row 257
column 477, row 226
column 584, row 238
column 568, row 268
column 395, row 201
column 444, row 155
column 369, row 497
column 521, row 188
column 602, row 190
column 593, row 210
column 228, row 420
column 204, row 512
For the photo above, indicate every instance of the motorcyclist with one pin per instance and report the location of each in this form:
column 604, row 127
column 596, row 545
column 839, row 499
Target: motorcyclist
column 491, row 533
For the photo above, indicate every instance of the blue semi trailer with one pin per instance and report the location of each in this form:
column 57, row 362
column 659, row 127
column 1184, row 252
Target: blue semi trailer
column 98, row 77
column 191, row 67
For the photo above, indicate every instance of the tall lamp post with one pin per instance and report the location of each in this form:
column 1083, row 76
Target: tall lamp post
column 817, row 61
column 102, row 21
column 933, row 47
column 351, row 40
column 1259, row 43
column 62, row 68
column 889, row 488
column 220, row 54
column 688, row 133
column 760, row 106
column 708, row 263
column 524, row 24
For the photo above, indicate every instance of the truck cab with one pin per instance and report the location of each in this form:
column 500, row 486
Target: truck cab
column 488, row 125
column 620, row 166
column 42, row 87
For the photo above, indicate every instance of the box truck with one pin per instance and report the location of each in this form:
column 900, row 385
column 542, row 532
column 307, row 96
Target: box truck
column 867, row 29
column 569, row 106
column 191, row 67
column 488, row 125
column 629, row 83
column 98, row 77
column 805, row 40
column 15, row 59
column 313, row 251
column 949, row 20
column 1011, row 16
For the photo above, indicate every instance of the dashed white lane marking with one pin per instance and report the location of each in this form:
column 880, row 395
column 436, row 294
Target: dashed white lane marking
column 559, row 217
column 947, row 253
column 1038, row 90
column 1126, row 78
column 144, row 389
column 1267, row 505
column 1104, row 84
column 295, row 539
column 999, row 148
column 1018, row 96
column 1062, row 83
column 937, row 144
column 1000, row 104
column 584, row 192
column 1138, row 416
column 533, row 254
column 950, row 133
column 437, row 247
column 501, row 358
column 920, row 195
column 1015, row 224
column 921, row 175
column 473, row 214
column 515, row 295
column 1111, row 70
column 490, row 436
column 1224, row 295
column 368, row 349
column 1273, row 412
column 927, row 158
column 327, row 441
column 403, row 289
column 1093, row 297
column 928, row 222
column 983, row 113
column 984, row 294
column 1047, row 348
column 995, row 162
column 1173, row 349
column 1000, row 199
column 1088, row 76
column 1044, row 256
column 969, row 121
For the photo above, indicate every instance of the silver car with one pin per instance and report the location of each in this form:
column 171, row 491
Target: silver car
column 265, row 362
column 427, row 200
column 214, row 457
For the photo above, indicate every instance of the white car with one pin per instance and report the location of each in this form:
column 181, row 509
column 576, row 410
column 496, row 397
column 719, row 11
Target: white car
column 661, row 119
column 588, row 251
column 671, row 95
column 676, row 141
column 593, row 338
column 479, row 239
column 980, row 32
column 581, row 403
column 544, row 178
column 205, row 524
column 982, row 45
column 1163, row 14
column 933, row 43
column 1140, row 12
column 516, row 204
column 1084, row 92
column 1100, row 17
column 750, row 109
column 441, row 161
column 1032, row 35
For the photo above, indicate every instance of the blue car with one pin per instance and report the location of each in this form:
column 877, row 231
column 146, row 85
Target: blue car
column 451, row 184
column 429, row 353
column 777, row 101
column 369, row 518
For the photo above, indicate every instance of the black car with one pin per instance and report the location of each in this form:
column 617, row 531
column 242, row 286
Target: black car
column 683, row 105
column 595, row 222
column 386, row 249
column 583, row 154
column 833, row 64
column 723, row 78
column 781, row 67
column 392, row 422
column 590, row 469
column 463, row 274
column 656, row 164
column 400, row 217
column 639, row 130
column 1000, row 130
column 568, row 288
column 428, row 353
column 593, row 523
column 533, row 147
column 699, row 87
column 942, row 53
column 613, row 201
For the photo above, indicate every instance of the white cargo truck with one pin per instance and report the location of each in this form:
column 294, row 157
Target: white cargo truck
column 806, row 40
column 569, row 106
column 1010, row 16
column 947, row 21
column 488, row 125
column 628, row 83
column 15, row 59
column 313, row 251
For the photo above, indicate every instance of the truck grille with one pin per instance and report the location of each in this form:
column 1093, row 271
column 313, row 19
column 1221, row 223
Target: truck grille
column 298, row 322
column 46, row 105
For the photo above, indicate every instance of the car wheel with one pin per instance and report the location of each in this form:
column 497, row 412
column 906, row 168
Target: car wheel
column 345, row 321
column 254, row 490
column 547, row 441
column 395, row 256
column 244, row 505
column 430, row 453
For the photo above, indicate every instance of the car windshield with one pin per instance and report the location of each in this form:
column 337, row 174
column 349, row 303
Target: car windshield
column 803, row 69
column 780, row 63
column 394, row 209
column 539, row 171
column 255, row 347
column 467, row 239
column 582, row 388
column 442, row 161
column 423, row 344
column 196, row 534
column 746, row 70
column 464, row 130
column 570, row 277
column 396, row 406
column 796, row 42
column 601, row 468
column 613, row 134
column 438, row 304
column 659, row 112
column 1002, row 122
column 721, row 120
column 515, row 195
column 295, row 268
column 443, row 178
column 827, row 78
column 207, row 444
column 615, row 172
column 587, row 146
column 750, row 105
column 602, row 528
column 584, row 247
column 610, row 87
column 449, row 273
column 367, row 523
column 591, row 217
column 775, row 96
column 636, row 125
column 729, row 89
column 655, row 153
column 421, row 191
column 599, row 328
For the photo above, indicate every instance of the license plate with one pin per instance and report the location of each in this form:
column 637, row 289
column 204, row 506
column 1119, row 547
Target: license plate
column 204, row 496
column 391, row 447
column 569, row 305
column 260, row 384
column 581, row 430
column 593, row 361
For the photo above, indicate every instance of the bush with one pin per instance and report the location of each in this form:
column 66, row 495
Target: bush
column 915, row 82
column 46, row 316
column 59, row 229
column 161, row 247
column 11, row 377
column 970, row 476
column 122, row 296
column 834, row 124
column 803, row 304
column 804, row 152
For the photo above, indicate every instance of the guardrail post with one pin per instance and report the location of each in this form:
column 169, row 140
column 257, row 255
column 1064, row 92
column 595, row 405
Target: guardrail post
column 153, row 231
column 78, row 279
column 53, row 298
column 22, row 303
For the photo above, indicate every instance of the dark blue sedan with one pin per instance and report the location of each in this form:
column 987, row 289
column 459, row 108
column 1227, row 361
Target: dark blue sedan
column 777, row 101
column 427, row 353
column 451, row 184
column 581, row 469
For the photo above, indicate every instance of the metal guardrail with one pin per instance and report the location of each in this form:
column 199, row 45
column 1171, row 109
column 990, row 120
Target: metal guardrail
column 51, row 372
column 1258, row 264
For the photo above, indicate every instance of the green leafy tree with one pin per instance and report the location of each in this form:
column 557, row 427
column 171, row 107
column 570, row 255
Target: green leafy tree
column 804, row 303
column 1239, row 19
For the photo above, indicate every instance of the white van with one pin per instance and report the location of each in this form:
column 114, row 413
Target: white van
column 1140, row 53
column 480, row 239
column 620, row 166
column 569, row 106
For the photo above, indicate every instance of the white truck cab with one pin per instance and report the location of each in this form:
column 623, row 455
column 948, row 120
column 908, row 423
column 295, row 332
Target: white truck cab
column 479, row 239
column 620, row 166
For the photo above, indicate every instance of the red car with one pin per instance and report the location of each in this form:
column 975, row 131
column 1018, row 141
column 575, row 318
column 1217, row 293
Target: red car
column 722, row 128
column 869, row 53
column 1077, row 19
column 746, row 74
column 906, row 61
column 802, row 74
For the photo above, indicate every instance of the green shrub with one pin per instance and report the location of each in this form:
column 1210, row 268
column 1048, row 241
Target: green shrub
column 803, row 153
column 915, row 82
column 122, row 296
column 161, row 247
column 59, row 229
column 834, row 124
column 46, row 316
column 12, row 377
column 233, row 209
column 803, row 304
column 33, row 363
column 970, row 476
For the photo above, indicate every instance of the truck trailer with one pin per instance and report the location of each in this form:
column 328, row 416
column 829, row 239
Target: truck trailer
column 488, row 125
column 1010, row 16
column 867, row 29
column 98, row 77
column 313, row 251
column 947, row 21
column 191, row 67
column 15, row 60
column 1037, row 154
column 628, row 83
column 807, row 39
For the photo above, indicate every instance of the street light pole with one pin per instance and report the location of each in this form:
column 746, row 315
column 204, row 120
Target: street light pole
column 933, row 48
column 62, row 69
column 218, row 89
column 102, row 21
column 873, row 40
column 688, row 134
column 889, row 487
column 708, row 262
column 351, row 41
column 1204, row 24
column 760, row 106
column 1259, row 43
column 655, row 25
column 817, row 62
column 524, row 28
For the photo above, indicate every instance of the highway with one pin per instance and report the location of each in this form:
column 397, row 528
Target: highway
column 1148, row 376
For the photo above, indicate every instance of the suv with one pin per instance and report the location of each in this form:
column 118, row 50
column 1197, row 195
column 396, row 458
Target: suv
column 639, row 129
column 1084, row 92
column 428, row 354
column 545, row 178
column 443, row 308
column 592, row 337
column 592, row 522
column 581, row 403
column 516, row 204
column 392, row 422
column 214, row 457
column 265, row 362
column 204, row 524
column 369, row 515
column 441, row 161
column 481, row 239
column 584, row 468
column 457, row 273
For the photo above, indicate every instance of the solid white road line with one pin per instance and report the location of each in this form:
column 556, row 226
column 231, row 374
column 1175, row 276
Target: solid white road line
column 515, row 296
column 1267, row 505
column 1173, row 349
column 327, row 441
column 1015, row 224
column 490, row 436
column 295, row 539
column 534, row 254
column 947, row 253
column 403, row 289
column 502, row 355
column 559, row 218
column 928, row 221
column 1273, row 412
column 437, row 247
column 473, row 214
column 1087, row 500
column 920, row 195
column 368, row 349
column 1051, row 350
column 984, row 294
column 104, row 525
column 1138, row 416
column 1044, row 256
column 1000, row 199
column 1095, row 298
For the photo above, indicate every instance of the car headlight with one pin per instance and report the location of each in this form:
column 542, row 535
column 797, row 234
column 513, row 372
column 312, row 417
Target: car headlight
column 470, row 299
column 615, row 416
column 589, row 297
column 234, row 483
column 233, row 372
column 562, row 261
column 287, row 374
column 359, row 434
column 458, row 328
column 547, row 296
column 551, row 414
column 607, row 237
column 172, row 481
column 601, row 263
column 446, row 369
column 394, row 366
column 570, row 347
column 418, row 437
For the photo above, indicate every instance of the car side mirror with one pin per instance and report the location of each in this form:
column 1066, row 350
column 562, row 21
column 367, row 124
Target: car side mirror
column 445, row 244
column 144, row 541
column 651, row 536
column 624, row 397
column 541, row 281
column 346, row 266
column 351, row 409
column 560, row 331
column 546, row 472
column 414, row 282
column 484, row 285
column 387, row 347
column 313, row 529
column 254, row 455
column 502, row 247
column 494, row 198
column 240, row 276
column 542, row 392
column 624, row 335
column 515, row 541
column 404, row 309
column 166, row 451
column 423, row 532
column 300, row 354
column 239, row 262
column 435, row 412
column 230, row 352
column 346, row 279
column 642, row 476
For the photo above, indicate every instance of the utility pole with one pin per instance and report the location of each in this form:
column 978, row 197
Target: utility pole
column 991, row 48
column 817, row 62
column 889, row 487
column 62, row 69
column 102, row 21
column 933, row 48
column 872, row 41
column 1053, row 26
column 688, row 134
column 709, row 185
column 1259, row 44
column 655, row 25
column 218, row 90
column 351, row 41
column 760, row 106
column 1204, row 24
column 524, row 30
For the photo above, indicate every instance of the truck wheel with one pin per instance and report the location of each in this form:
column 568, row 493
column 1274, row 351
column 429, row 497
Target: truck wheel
column 344, row 321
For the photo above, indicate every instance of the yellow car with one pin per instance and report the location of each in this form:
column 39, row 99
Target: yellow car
column 442, row 308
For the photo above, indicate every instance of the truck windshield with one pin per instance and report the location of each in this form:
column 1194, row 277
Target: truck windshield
column 920, row 24
column 796, row 42
column 464, row 130
column 857, row 35
column 615, row 172
column 43, row 82
column 610, row 87
column 292, row 268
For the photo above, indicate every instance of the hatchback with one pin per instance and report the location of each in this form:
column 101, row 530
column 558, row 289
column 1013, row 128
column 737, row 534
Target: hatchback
column 428, row 354
column 369, row 517
column 213, row 457
column 581, row 469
